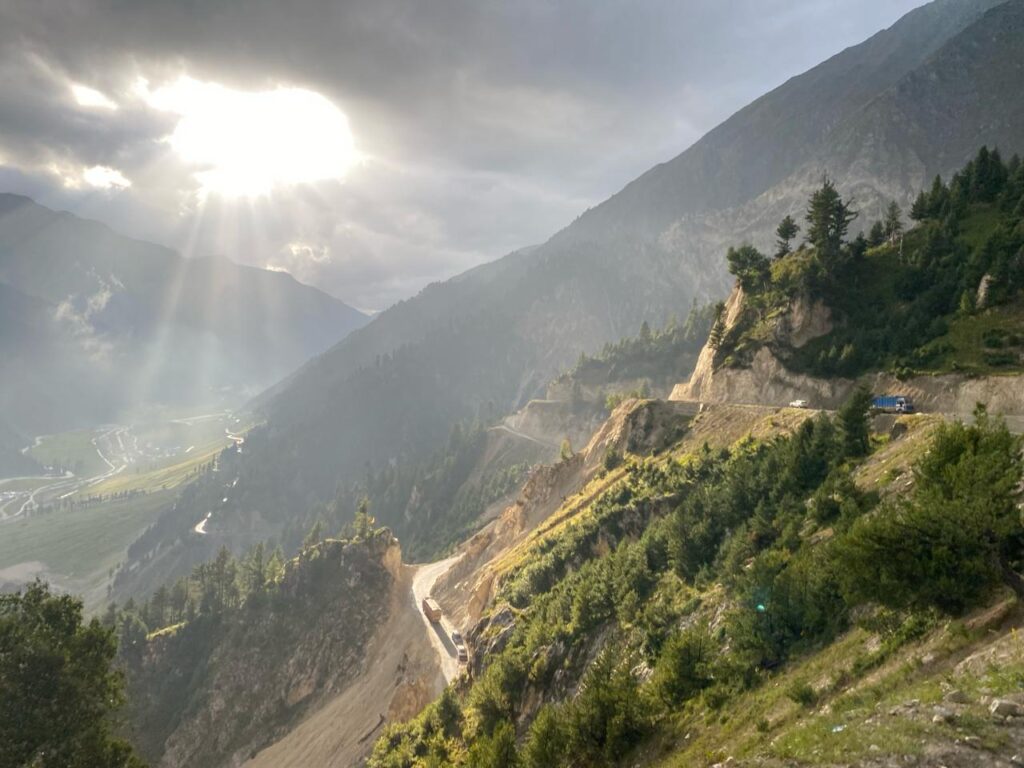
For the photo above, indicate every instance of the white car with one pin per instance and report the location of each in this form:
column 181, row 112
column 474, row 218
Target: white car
column 799, row 404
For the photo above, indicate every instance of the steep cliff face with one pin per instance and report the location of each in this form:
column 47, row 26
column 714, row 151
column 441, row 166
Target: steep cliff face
column 216, row 690
column 767, row 380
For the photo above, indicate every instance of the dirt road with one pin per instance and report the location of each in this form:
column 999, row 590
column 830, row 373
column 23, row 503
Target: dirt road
column 441, row 632
column 114, row 443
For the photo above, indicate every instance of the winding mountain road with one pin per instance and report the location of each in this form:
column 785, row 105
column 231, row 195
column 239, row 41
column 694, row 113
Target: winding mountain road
column 440, row 633
column 113, row 441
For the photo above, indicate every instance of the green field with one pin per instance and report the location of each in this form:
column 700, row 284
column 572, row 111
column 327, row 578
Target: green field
column 80, row 545
column 73, row 450
column 24, row 483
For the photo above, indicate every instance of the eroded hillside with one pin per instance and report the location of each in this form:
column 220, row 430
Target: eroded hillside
column 230, row 674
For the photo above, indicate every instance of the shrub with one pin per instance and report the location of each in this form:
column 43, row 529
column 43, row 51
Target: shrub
column 802, row 693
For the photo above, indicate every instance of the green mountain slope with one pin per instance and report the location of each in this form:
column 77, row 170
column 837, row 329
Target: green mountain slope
column 752, row 599
column 754, row 603
column 945, row 296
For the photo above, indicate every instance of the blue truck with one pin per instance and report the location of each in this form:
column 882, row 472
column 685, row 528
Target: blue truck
column 892, row 404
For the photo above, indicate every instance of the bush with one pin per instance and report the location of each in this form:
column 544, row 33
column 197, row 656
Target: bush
column 684, row 667
column 802, row 693
column 612, row 459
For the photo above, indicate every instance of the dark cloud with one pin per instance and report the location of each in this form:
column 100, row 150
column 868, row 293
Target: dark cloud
column 486, row 124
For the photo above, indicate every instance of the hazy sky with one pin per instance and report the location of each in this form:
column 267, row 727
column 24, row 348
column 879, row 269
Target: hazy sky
column 370, row 147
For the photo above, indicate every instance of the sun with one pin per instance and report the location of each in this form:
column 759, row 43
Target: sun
column 246, row 143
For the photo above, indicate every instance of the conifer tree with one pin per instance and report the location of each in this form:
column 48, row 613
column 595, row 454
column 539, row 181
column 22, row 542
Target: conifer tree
column 785, row 232
column 828, row 219
column 893, row 221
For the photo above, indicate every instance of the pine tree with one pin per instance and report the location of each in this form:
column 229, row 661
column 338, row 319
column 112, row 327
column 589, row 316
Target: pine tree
column 497, row 750
column 921, row 207
column 853, row 421
column 545, row 743
column 275, row 566
column 785, row 232
column 255, row 570
column 937, row 200
column 751, row 267
column 828, row 219
column 315, row 535
column 893, row 221
column 877, row 234
column 363, row 525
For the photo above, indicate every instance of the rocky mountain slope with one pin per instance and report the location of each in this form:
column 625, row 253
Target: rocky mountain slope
column 228, row 679
column 81, row 305
column 934, row 313
column 492, row 338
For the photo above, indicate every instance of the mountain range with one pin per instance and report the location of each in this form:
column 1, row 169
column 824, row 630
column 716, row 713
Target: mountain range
column 93, row 324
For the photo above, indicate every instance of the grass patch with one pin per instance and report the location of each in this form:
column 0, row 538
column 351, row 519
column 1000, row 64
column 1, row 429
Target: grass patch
column 71, row 450
column 160, row 478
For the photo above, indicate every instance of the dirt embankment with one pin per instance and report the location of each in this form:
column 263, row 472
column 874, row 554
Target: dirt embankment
column 400, row 675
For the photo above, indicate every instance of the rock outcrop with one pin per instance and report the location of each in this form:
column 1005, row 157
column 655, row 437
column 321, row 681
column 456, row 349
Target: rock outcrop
column 767, row 381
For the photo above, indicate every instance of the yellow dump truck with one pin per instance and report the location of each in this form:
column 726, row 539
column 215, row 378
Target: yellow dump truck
column 431, row 609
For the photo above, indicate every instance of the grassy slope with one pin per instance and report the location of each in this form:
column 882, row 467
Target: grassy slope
column 871, row 702
column 162, row 475
column 718, row 427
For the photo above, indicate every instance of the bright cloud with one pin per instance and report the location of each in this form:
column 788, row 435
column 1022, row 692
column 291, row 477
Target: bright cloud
column 102, row 177
column 310, row 252
column 90, row 97
column 248, row 143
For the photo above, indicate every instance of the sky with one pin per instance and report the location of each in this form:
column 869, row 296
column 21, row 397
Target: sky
column 370, row 147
